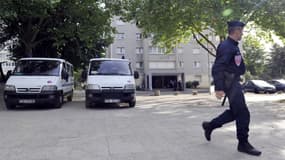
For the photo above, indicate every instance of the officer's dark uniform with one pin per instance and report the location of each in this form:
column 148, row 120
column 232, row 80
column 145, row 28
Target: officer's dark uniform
column 229, row 60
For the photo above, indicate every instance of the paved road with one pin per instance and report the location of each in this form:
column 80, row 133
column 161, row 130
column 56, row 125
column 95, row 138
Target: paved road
column 159, row 128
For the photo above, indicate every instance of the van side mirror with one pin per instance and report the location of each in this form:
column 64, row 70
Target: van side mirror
column 136, row 75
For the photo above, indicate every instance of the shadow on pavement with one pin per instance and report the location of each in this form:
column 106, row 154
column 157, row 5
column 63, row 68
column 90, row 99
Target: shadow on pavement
column 34, row 108
column 109, row 106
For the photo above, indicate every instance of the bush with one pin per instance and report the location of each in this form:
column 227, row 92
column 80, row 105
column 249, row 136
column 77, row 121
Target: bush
column 189, row 84
column 194, row 84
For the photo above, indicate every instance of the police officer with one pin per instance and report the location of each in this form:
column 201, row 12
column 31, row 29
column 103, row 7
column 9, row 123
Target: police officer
column 229, row 61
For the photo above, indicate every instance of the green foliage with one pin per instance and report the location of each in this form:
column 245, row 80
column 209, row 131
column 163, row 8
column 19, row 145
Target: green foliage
column 254, row 56
column 271, row 16
column 72, row 29
column 276, row 66
column 177, row 21
column 192, row 84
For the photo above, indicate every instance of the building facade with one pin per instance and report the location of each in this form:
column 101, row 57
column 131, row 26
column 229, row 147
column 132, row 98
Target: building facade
column 5, row 61
column 188, row 62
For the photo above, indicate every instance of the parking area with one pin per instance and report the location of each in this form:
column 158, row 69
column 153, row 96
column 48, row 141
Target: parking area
column 165, row 127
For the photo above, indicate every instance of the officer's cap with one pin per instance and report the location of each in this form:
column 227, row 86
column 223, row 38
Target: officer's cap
column 235, row 24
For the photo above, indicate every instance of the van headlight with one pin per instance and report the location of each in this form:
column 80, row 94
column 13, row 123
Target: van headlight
column 129, row 86
column 93, row 87
column 10, row 88
column 49, row 88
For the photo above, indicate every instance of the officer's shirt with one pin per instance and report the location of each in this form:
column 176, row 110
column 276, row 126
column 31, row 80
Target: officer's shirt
column 228, row 59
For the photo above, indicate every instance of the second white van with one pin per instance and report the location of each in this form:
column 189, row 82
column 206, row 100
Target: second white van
column 110, row 81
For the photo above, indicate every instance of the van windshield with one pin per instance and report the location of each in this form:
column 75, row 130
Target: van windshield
column 37, row 68
column 109, row 67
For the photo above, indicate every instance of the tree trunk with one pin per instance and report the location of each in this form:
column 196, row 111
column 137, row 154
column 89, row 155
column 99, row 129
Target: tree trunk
column 28, row 51
column 2, row 79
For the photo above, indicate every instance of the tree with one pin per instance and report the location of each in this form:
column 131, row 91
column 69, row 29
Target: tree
column 70, row 29
column 276, row 66
column 176, row 21
column 271, row 17
column 254, row 56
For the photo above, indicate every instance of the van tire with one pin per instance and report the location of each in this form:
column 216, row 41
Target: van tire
column 10, row 106
column 70, row 97
column 59, row 102
column 132, row 104
column 87, row 105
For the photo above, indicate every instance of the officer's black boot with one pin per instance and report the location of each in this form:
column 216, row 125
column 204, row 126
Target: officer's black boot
column 246, row 147
column 207, row 130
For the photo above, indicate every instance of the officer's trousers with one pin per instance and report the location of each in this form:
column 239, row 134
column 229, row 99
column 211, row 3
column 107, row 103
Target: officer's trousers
column 238, row 112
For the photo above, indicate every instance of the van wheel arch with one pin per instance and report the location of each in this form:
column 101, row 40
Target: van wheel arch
column 132, row 104
column 70, row 96
column 10, row 106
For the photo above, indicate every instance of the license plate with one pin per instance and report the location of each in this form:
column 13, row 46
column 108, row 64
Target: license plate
column 112, row 100
column 27, row 101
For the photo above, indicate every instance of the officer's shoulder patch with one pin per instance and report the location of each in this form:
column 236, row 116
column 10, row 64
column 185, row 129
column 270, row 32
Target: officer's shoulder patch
column 238, row 59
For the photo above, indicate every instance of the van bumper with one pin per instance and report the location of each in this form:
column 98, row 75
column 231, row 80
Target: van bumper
column 113, row 96
column 13, row 98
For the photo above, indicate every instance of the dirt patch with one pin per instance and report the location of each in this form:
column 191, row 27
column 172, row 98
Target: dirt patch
column 282, row 101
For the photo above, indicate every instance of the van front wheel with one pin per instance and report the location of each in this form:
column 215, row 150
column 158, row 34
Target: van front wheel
column 59, row 102
column 132, row 104
column 87, row 105
column 10, row 106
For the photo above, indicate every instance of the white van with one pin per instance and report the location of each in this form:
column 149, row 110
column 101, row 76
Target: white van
column 110, row 81
column 39, row 81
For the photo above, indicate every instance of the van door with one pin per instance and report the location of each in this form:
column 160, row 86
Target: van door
column 70, row 78
column 64, row 78
column 67, row 78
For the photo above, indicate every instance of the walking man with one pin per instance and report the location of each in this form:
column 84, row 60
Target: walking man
column 226, row 72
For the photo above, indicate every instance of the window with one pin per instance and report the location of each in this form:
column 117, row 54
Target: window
column 138, row 36
column 109, row 67
column 120, row 22
column 196, row 64
column 139, row 65
column 181, row 64
column 156, row 50
column 162, row 65
column 37, row 67
column 211, row 64
column 139, row 50
column 120, row 36
column 217, row 38
column 179, row 50
column 120, row 50
column 196, row 51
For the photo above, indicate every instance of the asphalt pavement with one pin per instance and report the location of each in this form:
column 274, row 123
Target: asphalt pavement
column 166, row 127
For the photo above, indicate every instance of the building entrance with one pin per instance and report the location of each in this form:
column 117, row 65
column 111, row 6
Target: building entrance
column 164, row 82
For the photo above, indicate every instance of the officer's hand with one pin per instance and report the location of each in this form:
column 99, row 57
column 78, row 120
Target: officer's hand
column 220, row 94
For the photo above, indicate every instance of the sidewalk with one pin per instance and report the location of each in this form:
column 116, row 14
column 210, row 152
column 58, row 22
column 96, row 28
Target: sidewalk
column 81, row 93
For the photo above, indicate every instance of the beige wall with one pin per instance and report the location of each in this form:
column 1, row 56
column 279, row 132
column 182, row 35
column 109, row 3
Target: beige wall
column 183, row 60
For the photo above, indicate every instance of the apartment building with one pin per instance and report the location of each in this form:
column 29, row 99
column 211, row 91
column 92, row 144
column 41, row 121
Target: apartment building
column 187, row 62
column 7, row 64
